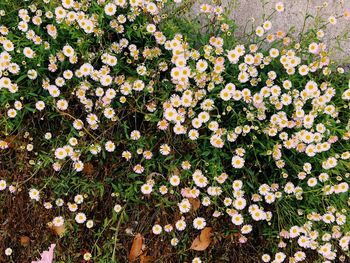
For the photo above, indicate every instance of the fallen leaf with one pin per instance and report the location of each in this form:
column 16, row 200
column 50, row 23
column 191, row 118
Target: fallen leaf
column 24, row 240
column 136, row 247
column 202, row 241
column 88, row 168
column 232, row 236
column 145, row 259
column 195, row 203
column 58, row 230
column 176, row 171
column 11, row 141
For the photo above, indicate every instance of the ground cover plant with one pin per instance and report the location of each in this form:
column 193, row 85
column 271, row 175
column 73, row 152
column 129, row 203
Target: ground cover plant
column 132, row 133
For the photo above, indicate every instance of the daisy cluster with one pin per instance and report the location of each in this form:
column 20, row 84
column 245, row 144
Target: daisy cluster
column 255, row 133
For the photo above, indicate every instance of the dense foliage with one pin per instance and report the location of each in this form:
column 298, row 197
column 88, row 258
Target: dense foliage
column 112, row 108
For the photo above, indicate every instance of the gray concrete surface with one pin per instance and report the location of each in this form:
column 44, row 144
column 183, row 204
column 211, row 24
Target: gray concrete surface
column 251, row 12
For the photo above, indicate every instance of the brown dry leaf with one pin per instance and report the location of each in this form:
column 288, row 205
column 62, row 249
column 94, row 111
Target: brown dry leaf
column 136, row 248
column 24, row 240
column 88, row 168
column 58, row 230
column 202, row 241
column 176, row 171
column 232, row 236
column 145, row 259
column 11, row 141
column 195, row 203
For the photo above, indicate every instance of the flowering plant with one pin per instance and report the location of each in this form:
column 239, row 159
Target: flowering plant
column 117, row 105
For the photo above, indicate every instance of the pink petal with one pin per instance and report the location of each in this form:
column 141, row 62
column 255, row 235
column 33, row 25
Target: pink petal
column 46, row 256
